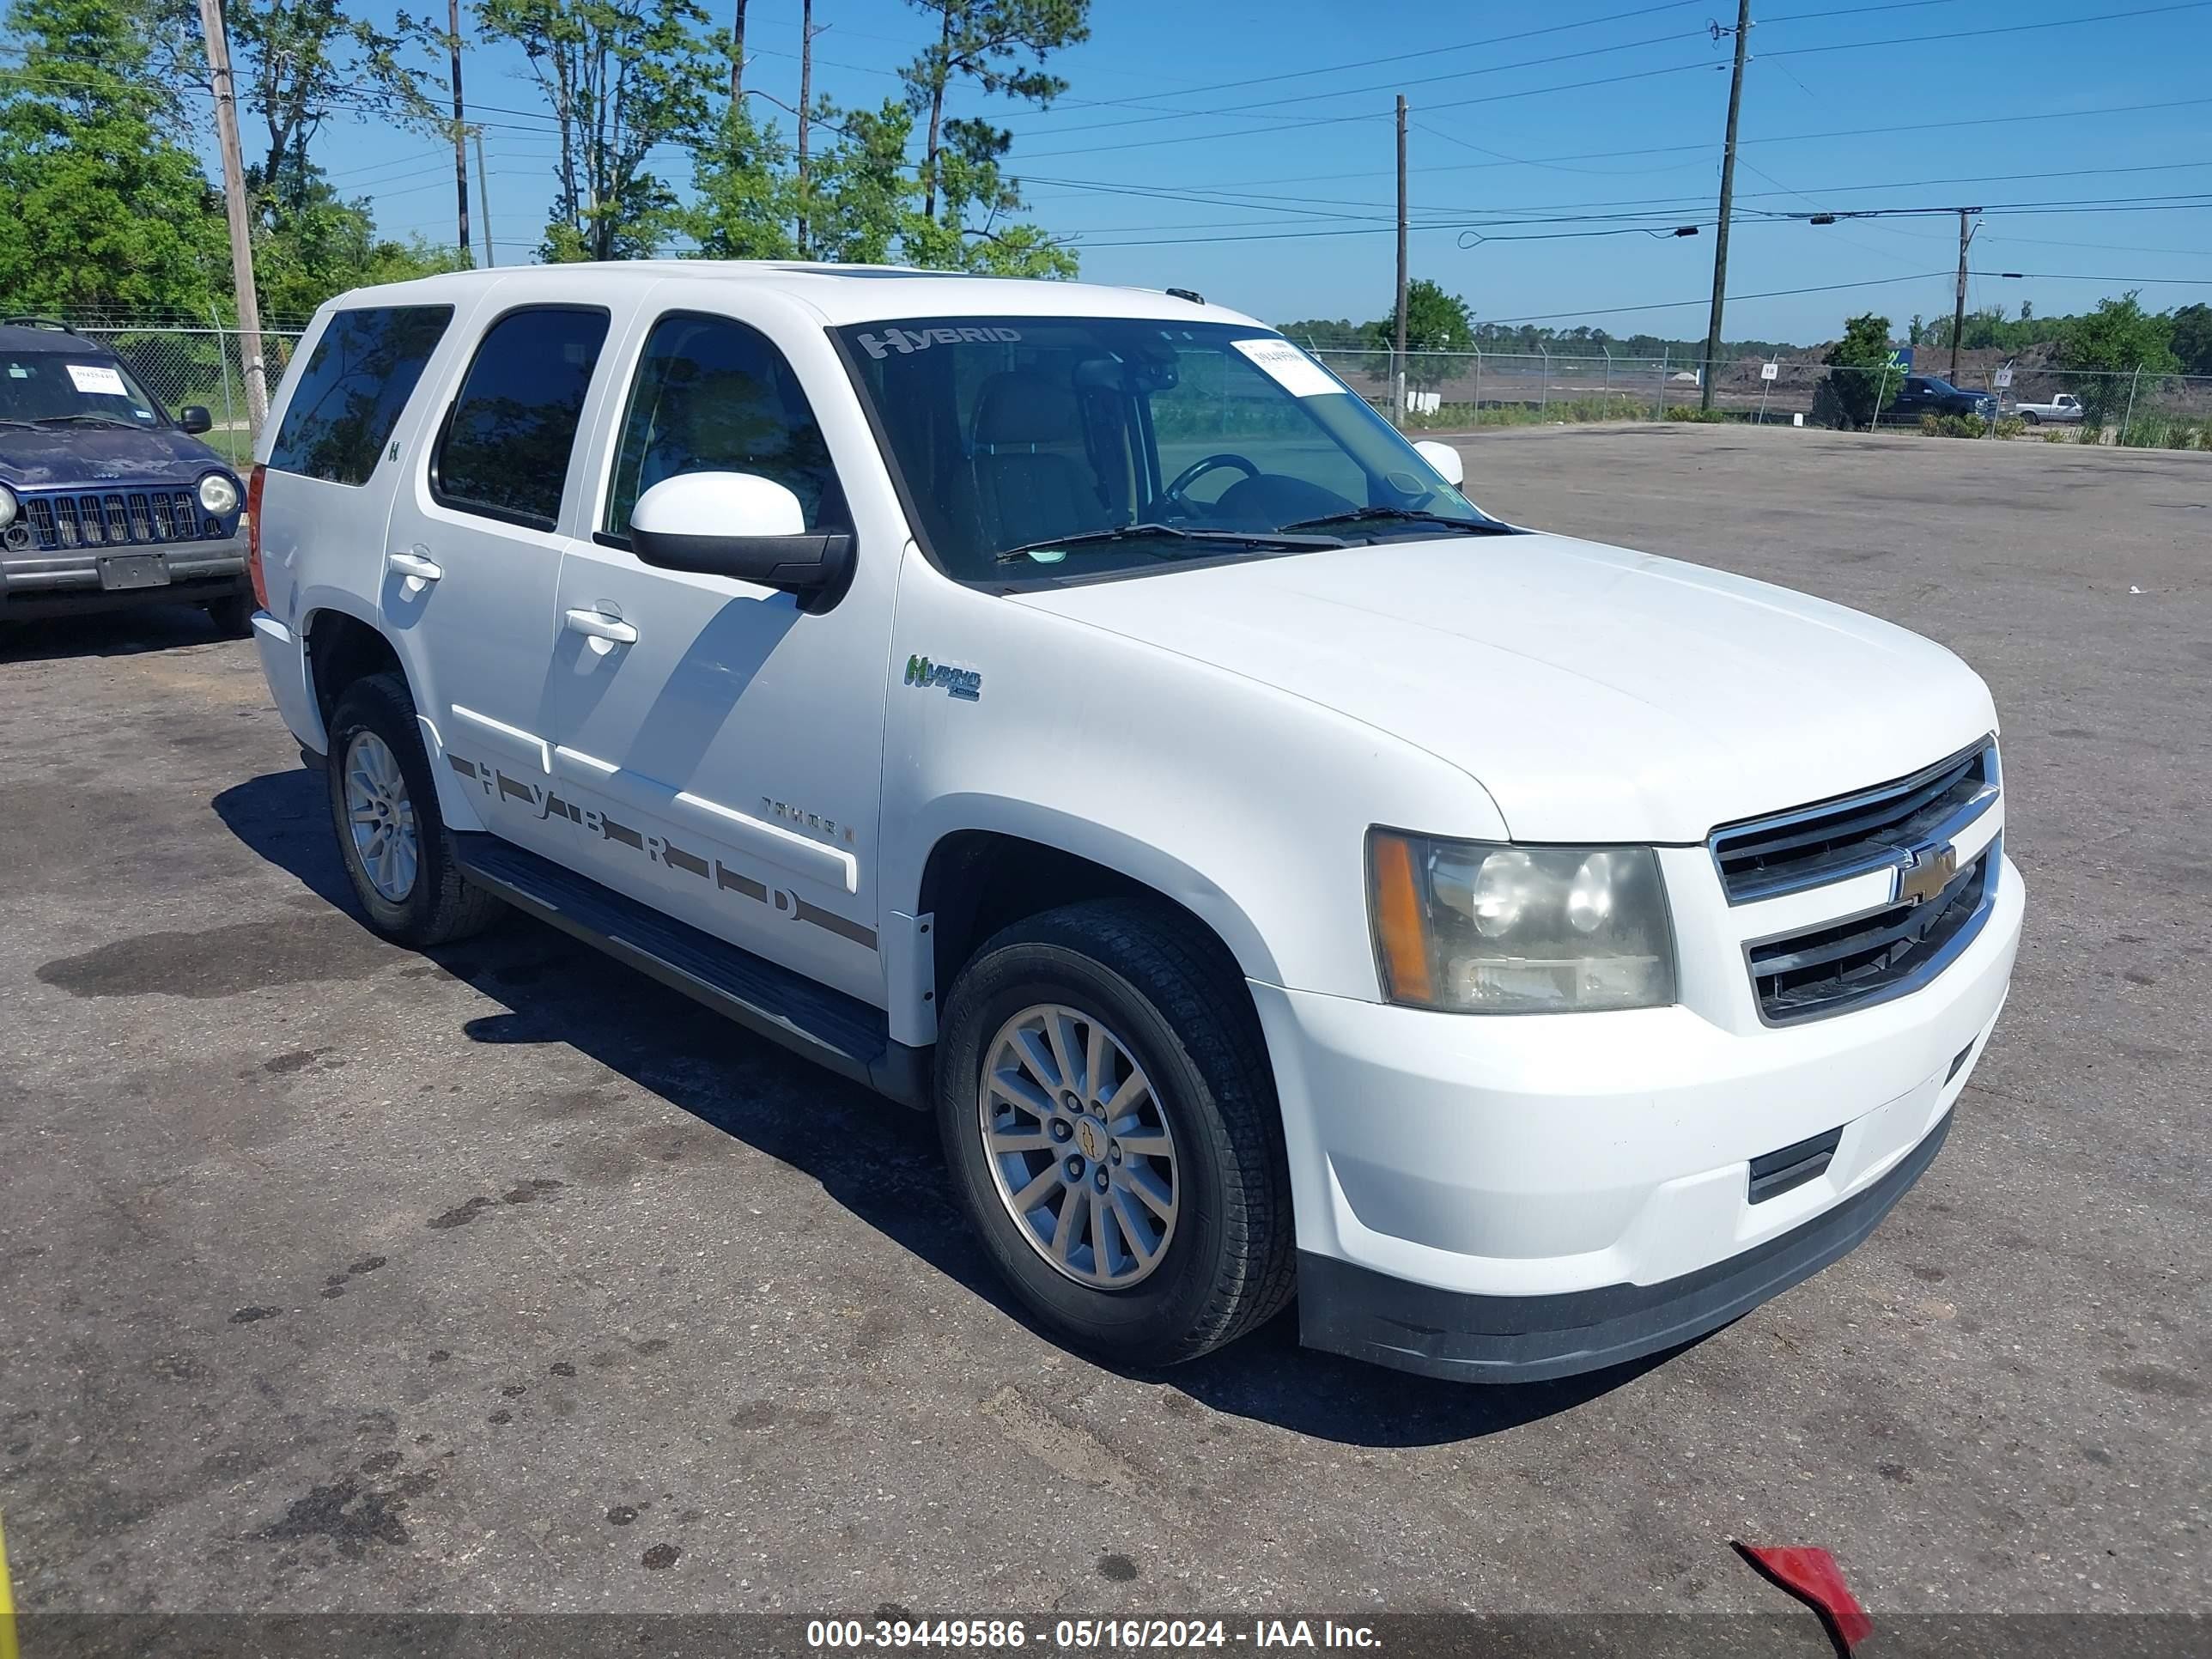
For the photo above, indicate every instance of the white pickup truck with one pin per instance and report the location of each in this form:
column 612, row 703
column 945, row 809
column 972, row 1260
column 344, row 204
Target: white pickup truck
column 2065, row 406
column 1073, row 711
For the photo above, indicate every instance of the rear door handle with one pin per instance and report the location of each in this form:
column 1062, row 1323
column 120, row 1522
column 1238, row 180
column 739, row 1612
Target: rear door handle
column 597, row 625
column 414, row 565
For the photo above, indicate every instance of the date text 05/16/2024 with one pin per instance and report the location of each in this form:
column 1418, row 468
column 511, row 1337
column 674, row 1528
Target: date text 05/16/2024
column 1085, row 1635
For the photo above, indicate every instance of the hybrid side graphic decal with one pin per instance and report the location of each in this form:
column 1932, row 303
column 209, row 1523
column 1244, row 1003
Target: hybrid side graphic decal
column 543, row 803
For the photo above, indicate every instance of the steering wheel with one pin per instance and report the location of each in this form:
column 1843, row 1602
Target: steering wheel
column 1197, row 470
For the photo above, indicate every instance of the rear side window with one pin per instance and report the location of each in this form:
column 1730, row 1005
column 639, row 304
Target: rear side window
column 349, row 396
column 506, row 449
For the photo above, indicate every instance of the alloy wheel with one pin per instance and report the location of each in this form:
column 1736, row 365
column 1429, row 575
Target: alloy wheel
column 1079, row 1146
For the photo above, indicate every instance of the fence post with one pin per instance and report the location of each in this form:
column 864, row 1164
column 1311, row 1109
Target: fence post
column 1659, row 398
column 1478, row 386
column 2127, row 419
column 1607, row 403
column 1544, row 391
column 222, row 358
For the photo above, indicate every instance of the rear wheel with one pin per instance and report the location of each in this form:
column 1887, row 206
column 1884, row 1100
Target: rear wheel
column 1111, row 1121
column 2031, row 418
column 397, row 850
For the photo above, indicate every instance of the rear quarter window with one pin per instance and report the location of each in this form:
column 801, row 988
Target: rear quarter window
column 349, row 397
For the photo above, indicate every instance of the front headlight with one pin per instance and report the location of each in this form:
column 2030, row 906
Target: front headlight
column 8, row 508
column 1479, row 928
column 218, row 496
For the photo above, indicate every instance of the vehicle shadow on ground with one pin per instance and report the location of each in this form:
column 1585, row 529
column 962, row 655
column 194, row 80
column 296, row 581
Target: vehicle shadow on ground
column 879, row 1160
column 105, row 634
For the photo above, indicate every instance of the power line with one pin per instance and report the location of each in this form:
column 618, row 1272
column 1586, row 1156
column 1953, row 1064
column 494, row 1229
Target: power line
column 1681, row 305
column 2003, row 29
column 1403, row 57
column 1240, row 110
column 2044, row 115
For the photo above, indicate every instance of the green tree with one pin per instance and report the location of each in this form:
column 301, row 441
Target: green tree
column 623, row 77
column 1435, row 322
column 104, row 210
column 1863, row 381
column 2118, row 342
column 2192, row 339
column 1001, row 46
column 744, row 195
column 298, row 62
column 306, row 251
column 862, row 194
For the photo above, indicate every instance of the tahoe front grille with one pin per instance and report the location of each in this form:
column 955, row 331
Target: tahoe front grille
column 1873, row 956
column 126, row 517
column 1834, row 839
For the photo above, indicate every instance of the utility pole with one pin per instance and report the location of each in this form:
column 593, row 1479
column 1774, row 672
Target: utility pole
column 738, row 54
column 225, row 92
column 1728, row 201
column 1959, row 311
column 484, row 203
column 805, row 96
column 460, row 129
column 1398, row 344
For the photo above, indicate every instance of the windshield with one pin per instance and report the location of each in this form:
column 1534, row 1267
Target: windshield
column 1068, row 447
column 72, row 388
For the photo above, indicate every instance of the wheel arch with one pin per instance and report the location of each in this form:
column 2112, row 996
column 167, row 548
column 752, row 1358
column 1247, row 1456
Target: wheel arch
column 344, row 646
column 979, row 878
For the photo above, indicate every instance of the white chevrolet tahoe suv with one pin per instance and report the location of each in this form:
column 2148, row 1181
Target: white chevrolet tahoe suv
column 1072, row 710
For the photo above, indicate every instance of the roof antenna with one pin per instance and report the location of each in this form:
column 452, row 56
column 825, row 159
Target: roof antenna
column 1191, row 294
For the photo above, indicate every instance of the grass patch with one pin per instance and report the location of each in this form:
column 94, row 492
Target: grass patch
column 1563, row 411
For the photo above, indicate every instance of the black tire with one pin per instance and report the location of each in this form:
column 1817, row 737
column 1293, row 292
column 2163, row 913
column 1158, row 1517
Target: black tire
column 233, row 617
column 2031, row 418
column 439, row 906
column 1173, row 997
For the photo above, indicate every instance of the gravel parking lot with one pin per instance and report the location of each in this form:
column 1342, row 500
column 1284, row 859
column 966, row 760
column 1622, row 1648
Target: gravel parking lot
column 337, row 1277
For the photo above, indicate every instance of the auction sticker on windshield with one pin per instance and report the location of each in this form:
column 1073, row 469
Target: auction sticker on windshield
column 95, row 377
column 1290, row 367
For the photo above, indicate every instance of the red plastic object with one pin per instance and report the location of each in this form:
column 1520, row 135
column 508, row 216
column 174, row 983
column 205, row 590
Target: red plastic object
column 1812, row 1576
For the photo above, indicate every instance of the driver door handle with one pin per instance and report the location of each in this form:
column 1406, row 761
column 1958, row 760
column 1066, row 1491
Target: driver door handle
column 414, row 565
column 597, row 625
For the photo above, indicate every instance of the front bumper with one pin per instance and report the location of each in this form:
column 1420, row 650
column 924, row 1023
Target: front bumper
column 45, row 584
column 1516, row 1198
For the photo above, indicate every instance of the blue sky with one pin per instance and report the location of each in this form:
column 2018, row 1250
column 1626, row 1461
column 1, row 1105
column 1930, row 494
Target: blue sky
column 1297, row 157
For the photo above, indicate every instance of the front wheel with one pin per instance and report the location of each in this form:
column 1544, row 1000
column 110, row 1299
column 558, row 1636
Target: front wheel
column 1109, row 1118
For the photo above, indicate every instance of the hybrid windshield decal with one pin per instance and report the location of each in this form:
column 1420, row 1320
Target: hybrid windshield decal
column 905, row 341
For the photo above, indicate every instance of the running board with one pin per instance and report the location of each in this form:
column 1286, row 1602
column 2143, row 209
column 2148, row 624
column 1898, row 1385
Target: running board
column 827, row 1026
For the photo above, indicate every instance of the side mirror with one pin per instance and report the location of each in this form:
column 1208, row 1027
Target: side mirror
column 750, row 529
column 195, row 419
column 1445, row 458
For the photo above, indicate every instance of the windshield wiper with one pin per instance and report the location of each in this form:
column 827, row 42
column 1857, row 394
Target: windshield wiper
column 1124, row 532
column 90, row 420
column 1398, row 515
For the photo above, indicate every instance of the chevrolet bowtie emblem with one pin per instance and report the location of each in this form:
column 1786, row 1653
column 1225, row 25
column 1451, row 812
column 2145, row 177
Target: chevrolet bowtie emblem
column 1926, row 876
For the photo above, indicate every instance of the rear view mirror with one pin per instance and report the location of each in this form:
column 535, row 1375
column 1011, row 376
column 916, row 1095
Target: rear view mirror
column 1445, row 458
column 740, row 526
column 195, row 419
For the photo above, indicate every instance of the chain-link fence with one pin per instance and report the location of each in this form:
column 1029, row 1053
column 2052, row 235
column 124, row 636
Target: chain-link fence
column 205, row 366
column 1445, row 391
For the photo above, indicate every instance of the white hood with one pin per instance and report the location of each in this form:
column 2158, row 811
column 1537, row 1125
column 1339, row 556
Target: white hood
column 1597, row 694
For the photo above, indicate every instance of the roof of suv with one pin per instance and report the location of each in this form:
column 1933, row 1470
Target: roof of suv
column 14, row 336
column 838, row 294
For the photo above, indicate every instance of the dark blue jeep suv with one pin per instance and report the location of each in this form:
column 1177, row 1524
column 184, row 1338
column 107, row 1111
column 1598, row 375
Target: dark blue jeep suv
column 104, row 500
